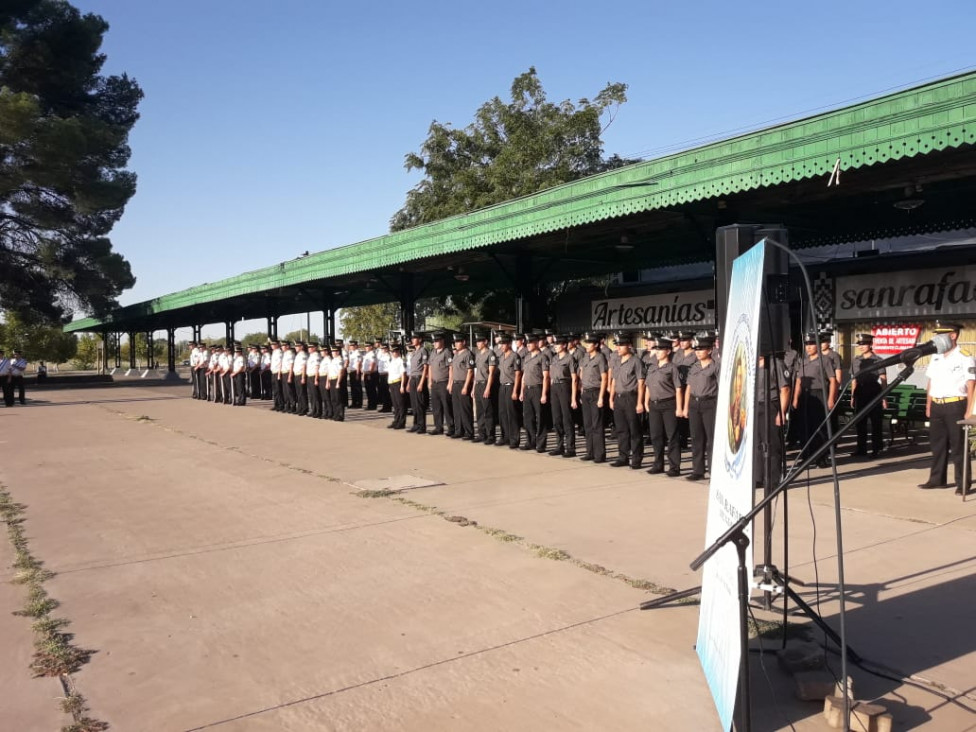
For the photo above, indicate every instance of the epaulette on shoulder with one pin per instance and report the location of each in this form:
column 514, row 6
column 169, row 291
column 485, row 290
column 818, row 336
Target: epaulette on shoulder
column 964, row 352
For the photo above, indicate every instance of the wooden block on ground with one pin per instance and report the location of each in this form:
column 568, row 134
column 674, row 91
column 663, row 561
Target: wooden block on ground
column 813, row 685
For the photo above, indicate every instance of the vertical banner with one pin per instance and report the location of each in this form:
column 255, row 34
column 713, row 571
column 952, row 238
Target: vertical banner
column 731, row 488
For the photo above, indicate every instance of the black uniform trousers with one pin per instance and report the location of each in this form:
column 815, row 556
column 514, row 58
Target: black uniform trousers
column 338, row 400
column 397, row 403
column 769, row 437
column 630, row 437
column 487, row 411
column 356, row 387
column 226, row 386
column 195, row 381
column 863, row 395
column 314, row 398
column 240, row 388
column 288, row 388
column 370, row 382
column 463, row 409
column 418, row 405
column 946, row 437
column 277, row 393
column 301, row 396
column 534, row 419
column 18, row 385
column 701, row 420
column 812, row 411
column 596, row 438
column 256, row 383
column 266, row 384
column 560, row 397
column 383, row 392
column 325, row 398
column 8, row 390
column 663, row 424
column 507, row 416
column 440, row 405
column 213, row 387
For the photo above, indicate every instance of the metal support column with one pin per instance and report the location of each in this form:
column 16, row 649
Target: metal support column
column 273, row 327
column 329, row 319
column 408, row 302
column 197, row 333
column 118, row 350
column 171, row 350
column 150, row 350
column 132, row 351
column 229, row 333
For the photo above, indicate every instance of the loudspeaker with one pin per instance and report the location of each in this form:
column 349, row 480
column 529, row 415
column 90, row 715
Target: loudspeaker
column 735, row 240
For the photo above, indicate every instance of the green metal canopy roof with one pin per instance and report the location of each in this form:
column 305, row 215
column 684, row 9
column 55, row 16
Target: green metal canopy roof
column 935, row 117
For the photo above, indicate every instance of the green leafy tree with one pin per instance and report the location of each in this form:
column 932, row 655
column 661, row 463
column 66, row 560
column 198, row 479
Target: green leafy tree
column 257, row 338
column 64, row 132
column 511, row 149
column 369, row 321
column 37, row 341
column 142, row 349
column 86, row 357
column 300, row 335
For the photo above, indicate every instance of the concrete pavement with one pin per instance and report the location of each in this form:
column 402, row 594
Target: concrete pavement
column 221, row 565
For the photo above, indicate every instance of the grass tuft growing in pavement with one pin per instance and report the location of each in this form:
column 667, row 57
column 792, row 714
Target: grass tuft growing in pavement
column 54, row 652
column 376, row 494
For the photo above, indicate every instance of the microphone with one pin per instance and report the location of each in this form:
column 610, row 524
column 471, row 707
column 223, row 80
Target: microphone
column 939, row 344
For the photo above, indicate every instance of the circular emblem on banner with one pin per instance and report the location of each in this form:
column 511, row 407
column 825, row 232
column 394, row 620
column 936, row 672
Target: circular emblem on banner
column 739, row 416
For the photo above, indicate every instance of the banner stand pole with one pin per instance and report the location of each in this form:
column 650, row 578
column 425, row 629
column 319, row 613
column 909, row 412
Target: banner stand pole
column 741, row 542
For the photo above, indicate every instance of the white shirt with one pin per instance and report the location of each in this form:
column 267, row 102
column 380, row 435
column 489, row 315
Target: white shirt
column 194, row 357
column 265, row 361
column 19, row 366
column 4, row 367
column 203, row 358
column 213, row 361
column 324, row 365
column 276, row 361
column 369, row 358
column 253, row 359
column 223, row 361
column 287, row 361
column 949, row 374
column 335, row 368
column 312, row 364
column 396, row 369
column 299, row 363
column 353, row 358
column 238, row 363
column 382, row 362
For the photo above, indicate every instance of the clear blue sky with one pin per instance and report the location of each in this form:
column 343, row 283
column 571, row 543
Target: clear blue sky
column 269, row 128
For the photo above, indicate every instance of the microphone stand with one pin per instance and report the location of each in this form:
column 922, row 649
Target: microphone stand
column 736, row 535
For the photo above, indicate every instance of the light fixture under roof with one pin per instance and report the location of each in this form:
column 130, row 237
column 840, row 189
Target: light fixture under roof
column 625, row 244
column 908, row 204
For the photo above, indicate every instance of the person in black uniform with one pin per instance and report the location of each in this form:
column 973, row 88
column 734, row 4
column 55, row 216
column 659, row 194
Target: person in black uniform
column 534, row 395
column 832, row 358
column 509, row 388
column 593, row 382
column 816, row 387
column 562, row 396
column 439, row 370
column 459, row 386
column 701, row 397
column 417, row 371
column 773, row 388
column 627, row 402
column 485, row 388
column 663, row 401
column 867, row 384
column 683, row 356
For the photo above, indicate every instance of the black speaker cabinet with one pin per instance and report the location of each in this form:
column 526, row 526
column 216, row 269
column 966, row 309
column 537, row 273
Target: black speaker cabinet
column 733, row 241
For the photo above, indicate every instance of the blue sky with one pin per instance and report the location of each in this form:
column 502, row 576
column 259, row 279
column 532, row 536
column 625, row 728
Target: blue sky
column 274, row 127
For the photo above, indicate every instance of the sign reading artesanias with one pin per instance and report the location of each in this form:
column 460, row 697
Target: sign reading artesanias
column 730, row 489
column 670, row 310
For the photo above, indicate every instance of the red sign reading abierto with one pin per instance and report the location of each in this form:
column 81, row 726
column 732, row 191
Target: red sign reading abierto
column 892, row 339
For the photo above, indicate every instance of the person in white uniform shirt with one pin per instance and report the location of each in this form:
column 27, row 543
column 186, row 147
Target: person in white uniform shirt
column 325, row 394
column 395, row 371
column 369, row 377
column 6, row 380
column 277, row 392
column 203, row 364
column 337, row 374
column 194, row 370
column 224, row 363
column 354, row 374
column 238, row 377
column 299, row 380
column 311, row 380
column 383, row 402
column 265, row 373
column 287, row 377
column 212, row 374
column 950, row 398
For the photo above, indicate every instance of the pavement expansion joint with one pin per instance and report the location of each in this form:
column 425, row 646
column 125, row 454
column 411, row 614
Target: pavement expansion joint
column 394, row 484
column 540, row 550
column 55, row 653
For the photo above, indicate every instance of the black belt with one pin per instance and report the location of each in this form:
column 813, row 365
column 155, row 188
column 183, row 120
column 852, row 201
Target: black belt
column 625, row 393
column 666, row 399
column 704, row 398
column 507, row 383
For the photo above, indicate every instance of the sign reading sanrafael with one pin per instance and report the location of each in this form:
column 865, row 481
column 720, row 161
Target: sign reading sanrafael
column 730, row 490
column 930, row 293
column 892, row 339
column 671, row 310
